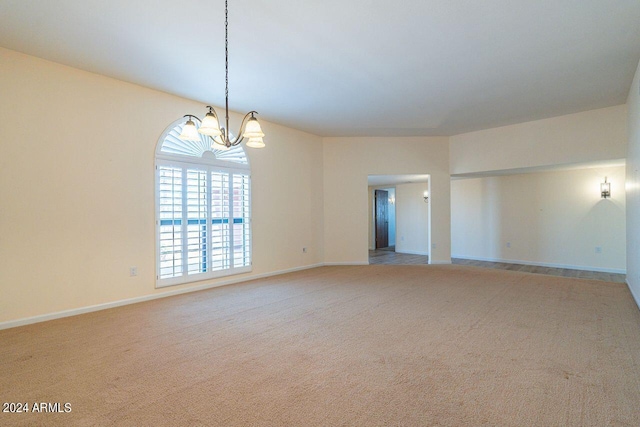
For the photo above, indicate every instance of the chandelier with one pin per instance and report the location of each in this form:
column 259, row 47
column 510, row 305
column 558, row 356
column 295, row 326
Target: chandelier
column 210, row 124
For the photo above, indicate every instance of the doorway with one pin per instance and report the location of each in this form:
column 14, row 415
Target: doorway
column 399, row 219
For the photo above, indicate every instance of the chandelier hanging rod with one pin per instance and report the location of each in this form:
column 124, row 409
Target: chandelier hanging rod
column 210, row 124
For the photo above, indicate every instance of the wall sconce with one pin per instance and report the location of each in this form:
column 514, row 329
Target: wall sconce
column 392, row 200
column 605, row 189
column 426, row 197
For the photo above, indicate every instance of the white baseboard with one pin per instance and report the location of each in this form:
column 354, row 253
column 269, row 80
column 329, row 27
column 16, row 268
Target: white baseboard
column 82, row 310
column 544, row 264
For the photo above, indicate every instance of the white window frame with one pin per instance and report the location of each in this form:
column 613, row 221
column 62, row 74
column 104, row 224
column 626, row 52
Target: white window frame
column 209, row 163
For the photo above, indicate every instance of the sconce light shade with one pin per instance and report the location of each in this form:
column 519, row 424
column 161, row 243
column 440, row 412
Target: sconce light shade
column 426, row 197
column 605, row 189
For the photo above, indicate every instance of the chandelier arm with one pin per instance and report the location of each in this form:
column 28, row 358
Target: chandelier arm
column 238, row 139
column 213, row 111
column 191, row 115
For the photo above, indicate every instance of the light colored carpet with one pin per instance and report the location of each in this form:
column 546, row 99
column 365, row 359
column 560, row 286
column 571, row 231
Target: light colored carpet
column 367, row 345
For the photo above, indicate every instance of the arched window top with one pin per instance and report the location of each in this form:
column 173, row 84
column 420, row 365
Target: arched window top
column 172, row 146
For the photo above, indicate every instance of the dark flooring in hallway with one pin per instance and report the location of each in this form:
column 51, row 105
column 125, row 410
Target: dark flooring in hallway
column 389, row 256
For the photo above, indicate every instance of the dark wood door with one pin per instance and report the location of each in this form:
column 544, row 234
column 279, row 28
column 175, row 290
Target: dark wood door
column 382, row 218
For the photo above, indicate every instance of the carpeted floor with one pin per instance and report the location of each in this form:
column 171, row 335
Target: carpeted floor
column 364, row 346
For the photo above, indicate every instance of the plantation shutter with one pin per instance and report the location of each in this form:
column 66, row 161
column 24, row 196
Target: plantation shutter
column 204, row 222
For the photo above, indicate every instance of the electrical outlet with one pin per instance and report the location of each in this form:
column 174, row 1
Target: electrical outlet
column 133, row 271
column 598, row 249
column 304, row 250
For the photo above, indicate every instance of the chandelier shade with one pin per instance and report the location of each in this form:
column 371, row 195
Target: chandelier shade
column 256, row 142
column 189, row 131
column 210, row 125
column 252, row 129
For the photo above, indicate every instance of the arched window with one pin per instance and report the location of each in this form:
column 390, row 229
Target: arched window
column 203, row 209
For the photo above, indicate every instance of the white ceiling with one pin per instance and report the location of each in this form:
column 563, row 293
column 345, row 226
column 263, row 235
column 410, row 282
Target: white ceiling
column 351, row 68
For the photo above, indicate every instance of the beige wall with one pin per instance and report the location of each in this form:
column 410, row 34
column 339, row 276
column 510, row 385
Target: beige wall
column 412, row 219
column 551, row 218
column 575, row 138
column 348, row 162
column 633, row 189
column 77, row 189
